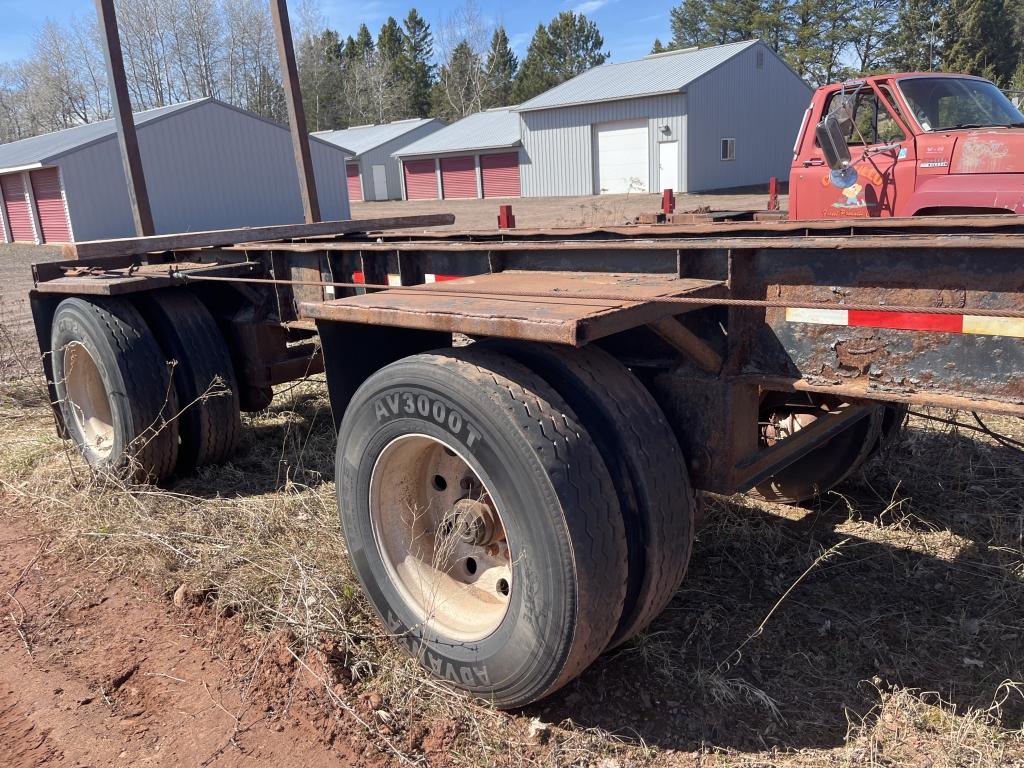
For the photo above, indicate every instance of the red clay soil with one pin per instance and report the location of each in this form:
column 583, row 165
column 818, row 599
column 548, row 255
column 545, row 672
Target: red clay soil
column 101, row 672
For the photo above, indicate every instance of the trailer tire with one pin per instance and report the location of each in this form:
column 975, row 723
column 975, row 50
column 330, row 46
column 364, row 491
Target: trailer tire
column 645, row 462
column 826, row 466
column 114, row 388
column 471, row 415
column 204, row 377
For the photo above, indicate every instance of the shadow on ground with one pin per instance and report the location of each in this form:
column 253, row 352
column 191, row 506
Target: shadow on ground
column 289, row 444
column 924, row 590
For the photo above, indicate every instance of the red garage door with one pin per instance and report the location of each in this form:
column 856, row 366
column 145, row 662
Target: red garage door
column 53, row 216
column 19, row 216
column 355, row 189
column 420, row 180
column 500, row 174
column 458, row 177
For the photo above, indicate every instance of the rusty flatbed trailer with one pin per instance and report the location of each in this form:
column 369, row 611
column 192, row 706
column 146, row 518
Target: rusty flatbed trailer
column 523, row 415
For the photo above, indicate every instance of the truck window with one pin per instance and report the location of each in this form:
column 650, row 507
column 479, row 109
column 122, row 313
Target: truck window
column 872, row 122
column 948, row 103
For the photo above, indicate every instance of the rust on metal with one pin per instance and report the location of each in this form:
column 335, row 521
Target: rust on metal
column 219, row 238
column 766, row 462
column 124, row 120
column 565, row 314
column 296, row 111
column 682, row 339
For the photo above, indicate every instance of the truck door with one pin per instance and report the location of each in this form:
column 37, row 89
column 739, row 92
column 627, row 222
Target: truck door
column 883, row 162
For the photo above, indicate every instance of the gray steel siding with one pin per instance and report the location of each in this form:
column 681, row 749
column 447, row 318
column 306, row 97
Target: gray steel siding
column 382, row 156
column 206, row 168
column 760, row 108
column 96, row 192
column 559, row 150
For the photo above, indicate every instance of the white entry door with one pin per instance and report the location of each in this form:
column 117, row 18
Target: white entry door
column 668, row 165
column 380, row 182
column 622, row 157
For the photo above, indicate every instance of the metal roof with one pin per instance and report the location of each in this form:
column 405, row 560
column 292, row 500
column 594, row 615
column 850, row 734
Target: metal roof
column 363, row 138
column 47, row 147
column 491, row 129
column 652, row 75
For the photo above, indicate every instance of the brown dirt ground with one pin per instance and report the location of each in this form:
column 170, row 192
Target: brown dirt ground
column 587, row 211
column 103, row 671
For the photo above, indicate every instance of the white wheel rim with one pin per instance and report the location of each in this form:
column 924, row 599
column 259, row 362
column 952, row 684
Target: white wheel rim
column 441, row 537
column 87, row 396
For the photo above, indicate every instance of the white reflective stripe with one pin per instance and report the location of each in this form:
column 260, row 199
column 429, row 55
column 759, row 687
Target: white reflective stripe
column 430, row 278
column 994, row 326
column 394, row 279
column 819, row 316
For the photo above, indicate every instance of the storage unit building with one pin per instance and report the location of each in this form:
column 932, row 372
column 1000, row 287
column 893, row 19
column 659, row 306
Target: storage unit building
column 478, row 156
column 373, row 173
column 208, row 165
column 689, row 120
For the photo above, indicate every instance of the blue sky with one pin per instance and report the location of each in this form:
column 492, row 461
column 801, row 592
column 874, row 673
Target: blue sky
column 629, row 26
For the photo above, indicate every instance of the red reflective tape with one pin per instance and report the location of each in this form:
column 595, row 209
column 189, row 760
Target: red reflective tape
column 357, row 277
column 907, row 321
column 442, row 278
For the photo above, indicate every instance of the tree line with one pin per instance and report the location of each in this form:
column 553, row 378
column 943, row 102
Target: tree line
column 411, row 70
column 828, row 40
column 176, row 50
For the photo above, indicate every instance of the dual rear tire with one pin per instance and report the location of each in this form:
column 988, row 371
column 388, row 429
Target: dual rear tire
column 145, row 391
column 504, row 522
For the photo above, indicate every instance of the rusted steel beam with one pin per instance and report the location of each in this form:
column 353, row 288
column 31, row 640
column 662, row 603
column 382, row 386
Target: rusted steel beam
column 861, row 390
column 581, row 243
column 941, row 225
column 773, row 459
column 296, row 112
column 127, row 140
column 684, row 340
column 219, row 238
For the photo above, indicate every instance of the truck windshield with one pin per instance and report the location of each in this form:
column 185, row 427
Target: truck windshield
column 947, row 103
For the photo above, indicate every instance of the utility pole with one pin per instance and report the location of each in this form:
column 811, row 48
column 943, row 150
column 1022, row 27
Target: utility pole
column 127, row 139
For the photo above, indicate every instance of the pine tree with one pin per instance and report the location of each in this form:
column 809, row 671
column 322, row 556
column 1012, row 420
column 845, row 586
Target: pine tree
column 913, row 45
column 499, row 71
column 874, row 23
column 689, row 21
column 418, row 50
column 534, row 76
column 978, row 40
column 390, row 41
column 320, row 78
column 459, row 87
column 658, row 47
column 569, row 45
column 576, row 45
column 363, row 44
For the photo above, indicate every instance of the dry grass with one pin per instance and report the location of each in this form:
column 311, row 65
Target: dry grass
column 882, row 626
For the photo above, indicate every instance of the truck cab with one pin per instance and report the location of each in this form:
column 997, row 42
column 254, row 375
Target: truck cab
column 910, row 145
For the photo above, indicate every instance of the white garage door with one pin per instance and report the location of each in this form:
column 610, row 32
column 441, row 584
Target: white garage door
column 622, row 159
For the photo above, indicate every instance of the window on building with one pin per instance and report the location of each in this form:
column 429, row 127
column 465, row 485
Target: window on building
column 728, row 149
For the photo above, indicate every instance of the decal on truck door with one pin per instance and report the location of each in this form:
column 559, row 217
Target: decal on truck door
column 851, row 182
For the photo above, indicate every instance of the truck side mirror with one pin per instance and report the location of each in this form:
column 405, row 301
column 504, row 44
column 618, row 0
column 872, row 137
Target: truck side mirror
column 832, row 140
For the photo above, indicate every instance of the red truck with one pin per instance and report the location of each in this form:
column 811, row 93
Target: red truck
column 919, row 144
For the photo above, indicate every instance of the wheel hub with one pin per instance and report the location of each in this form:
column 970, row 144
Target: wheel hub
column 87, row 395
column 441, row 537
